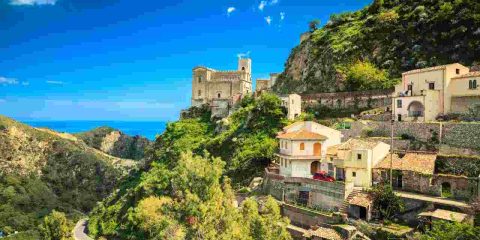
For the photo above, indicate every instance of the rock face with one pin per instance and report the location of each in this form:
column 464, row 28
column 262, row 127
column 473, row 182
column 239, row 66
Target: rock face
column 115, row 143
column 395, row 36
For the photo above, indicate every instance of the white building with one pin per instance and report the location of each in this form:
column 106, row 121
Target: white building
column 293, row 104
column 303, row 145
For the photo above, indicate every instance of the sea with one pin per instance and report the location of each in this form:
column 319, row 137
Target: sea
column 146, row 129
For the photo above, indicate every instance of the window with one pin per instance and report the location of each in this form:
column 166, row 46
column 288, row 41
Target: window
column 219, row 95
column 243, row 68
column 359, row 156
column 472, row 84
column 331, row 158
column 199, row 93
column 431, row 86
column 354, row 174
column 286, row 145
column 457, row 71
column 302, row 146
column 410, row 87
column 399, row 103
column 200, row 79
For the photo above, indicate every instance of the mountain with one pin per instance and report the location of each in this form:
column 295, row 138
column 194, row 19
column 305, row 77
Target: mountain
column 380, row 42
column 42, row 170
column 115, row 142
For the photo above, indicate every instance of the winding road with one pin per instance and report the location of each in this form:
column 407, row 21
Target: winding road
column 80, row 229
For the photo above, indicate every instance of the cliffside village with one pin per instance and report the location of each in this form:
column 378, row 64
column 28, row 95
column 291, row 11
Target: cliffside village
column 327, row 170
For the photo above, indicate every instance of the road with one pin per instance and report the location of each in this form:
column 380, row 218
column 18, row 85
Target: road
column 80, row 229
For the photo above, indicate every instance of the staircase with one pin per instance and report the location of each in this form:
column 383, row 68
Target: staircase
column 344, row 207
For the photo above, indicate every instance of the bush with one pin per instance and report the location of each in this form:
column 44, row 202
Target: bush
column 385, row 202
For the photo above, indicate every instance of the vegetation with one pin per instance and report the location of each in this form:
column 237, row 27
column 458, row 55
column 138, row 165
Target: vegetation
column 385, row 202
column 115, row 143
column 41, row 171
column 185, row 189
column 442, row 230
column 55, row 227
column 383, row 40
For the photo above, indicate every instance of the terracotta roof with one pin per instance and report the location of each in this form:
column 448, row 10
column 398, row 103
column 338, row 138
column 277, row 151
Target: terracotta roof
column 428, row 69
column 415, row 162
column 361, row 199
column 293, row 125
column 325, row 233
column 468, row 75
column 354, row 143
column 301, row 135
column 445, row 215
column 333, row 150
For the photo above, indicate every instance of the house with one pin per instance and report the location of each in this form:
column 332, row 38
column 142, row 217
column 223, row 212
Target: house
column 353, row 160
column 303, row 145
column 426, row 93
column 293, row 104
column 221, row 89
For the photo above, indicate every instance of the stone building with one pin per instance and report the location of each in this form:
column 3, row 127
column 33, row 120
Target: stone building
column 293, row 104
column 426, row 93
column 221, row 89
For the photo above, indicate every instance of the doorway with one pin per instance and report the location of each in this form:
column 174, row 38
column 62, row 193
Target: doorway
column 315, row 167
column 363, row 213
column 399, row 117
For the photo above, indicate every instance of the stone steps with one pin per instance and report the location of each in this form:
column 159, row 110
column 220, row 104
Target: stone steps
column 344, row 207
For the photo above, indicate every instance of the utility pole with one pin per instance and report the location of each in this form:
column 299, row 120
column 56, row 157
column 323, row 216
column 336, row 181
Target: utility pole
column 392, row 121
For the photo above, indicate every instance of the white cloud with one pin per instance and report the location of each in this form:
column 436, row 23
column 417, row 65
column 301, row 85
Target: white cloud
column 273, row 2
column 230, row 10
column 262, row 5
column 268, row 19
column 54, row 82
column 242, row 55
column 8, row 81
column 33, row 2
column 282, row 16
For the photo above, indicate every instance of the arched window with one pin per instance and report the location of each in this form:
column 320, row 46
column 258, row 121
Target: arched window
column 302, row 146
column 219, row 95
column 243, row 68
column 200, row 79
column 474, row 84
column 470, row 84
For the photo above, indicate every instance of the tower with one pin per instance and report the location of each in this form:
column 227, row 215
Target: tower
column 245, row 64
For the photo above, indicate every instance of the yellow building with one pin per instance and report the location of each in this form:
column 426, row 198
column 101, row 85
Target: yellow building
column 353, row 160
column 426, row 93
column 221, row 89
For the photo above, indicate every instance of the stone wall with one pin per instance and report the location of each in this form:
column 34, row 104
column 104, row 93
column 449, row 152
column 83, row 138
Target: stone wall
column 359, row 99
column 465, row 135
column 307, row 218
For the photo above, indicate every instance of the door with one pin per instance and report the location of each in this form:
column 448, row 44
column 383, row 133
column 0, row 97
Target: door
column 303, row 197
column 315, row 167
column 317, row 149
column 399, row 117
column 363, row 213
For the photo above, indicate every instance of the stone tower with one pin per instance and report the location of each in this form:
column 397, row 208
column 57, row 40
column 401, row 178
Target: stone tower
column 245, row 64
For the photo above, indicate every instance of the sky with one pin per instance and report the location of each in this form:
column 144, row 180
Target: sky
column 132, row 60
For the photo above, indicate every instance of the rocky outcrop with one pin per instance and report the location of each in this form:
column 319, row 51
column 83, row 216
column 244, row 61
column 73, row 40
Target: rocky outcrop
column 115, row 143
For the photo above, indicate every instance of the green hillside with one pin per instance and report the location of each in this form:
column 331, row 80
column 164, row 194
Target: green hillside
column 42, row 170
column 370, row 48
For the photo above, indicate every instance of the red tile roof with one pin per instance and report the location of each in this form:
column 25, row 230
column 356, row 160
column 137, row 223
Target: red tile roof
column 301, row 135
column 415, row 162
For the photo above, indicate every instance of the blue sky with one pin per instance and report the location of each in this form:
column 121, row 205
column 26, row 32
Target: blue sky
column 132, row 60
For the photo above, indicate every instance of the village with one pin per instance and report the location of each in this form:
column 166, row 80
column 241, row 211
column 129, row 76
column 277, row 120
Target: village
column 323, row 175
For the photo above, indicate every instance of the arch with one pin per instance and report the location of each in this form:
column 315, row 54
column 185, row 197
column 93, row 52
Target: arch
column 446, row 189
column 317, row 149
column 415, row 109
column 219, row 94
column 243, row 68
column 302, row 146
column 315, row 167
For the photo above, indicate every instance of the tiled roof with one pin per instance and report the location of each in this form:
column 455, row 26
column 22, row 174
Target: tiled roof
column 301, row 135
column 445, row 215
column 415, row 162
column 353, row 143
column 325, row 233
column 361, row 199
column 333, row 150
column 428, row 69
column 468, row 75
column 293, row 125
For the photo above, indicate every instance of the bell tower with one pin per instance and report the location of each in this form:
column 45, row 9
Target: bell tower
column 245, row 64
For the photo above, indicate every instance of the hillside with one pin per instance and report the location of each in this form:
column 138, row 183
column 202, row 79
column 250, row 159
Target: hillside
column 370, row 48
column 115, row 142
column 186, row 191
column 41, row 170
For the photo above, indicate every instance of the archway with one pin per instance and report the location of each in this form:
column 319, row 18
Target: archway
column 446, row 189
column 315, row 167
column 317, row 149
column 416, row 109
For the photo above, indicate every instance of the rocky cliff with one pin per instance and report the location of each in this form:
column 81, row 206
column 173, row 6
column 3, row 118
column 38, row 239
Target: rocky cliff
column 115, row 143
column 393, row 35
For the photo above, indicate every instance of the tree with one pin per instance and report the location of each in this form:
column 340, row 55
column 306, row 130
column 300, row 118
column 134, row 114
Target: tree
column 313, row 25
column 363, row 75
column 443, row 230
column 385, row 202
column 55, row 226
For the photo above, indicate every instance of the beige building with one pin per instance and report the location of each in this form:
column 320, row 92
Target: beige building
column 426, row 93
column 293, row 104
column 221, row 89
column 303, row 145
column 353, row 160
column 262, row 85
